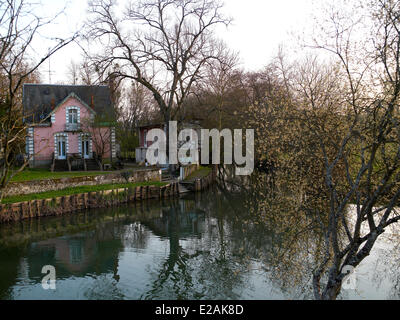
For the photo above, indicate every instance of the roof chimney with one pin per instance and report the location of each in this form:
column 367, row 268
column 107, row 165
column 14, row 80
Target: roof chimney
column 92, row 102
column 53, row 103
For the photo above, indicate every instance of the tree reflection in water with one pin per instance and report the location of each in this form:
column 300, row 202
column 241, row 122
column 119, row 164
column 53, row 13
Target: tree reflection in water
column 243, row 233
column 242, row 239
column 205, row 266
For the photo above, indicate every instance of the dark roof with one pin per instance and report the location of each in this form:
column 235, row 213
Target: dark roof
column 152, row 125
column 186, row 124
column 40, row 99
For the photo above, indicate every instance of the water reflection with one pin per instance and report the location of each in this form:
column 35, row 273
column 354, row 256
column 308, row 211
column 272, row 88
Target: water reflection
column 230, row 242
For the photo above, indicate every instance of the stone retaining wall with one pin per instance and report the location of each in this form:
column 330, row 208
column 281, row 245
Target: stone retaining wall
column 37, row 186
column 69, row 204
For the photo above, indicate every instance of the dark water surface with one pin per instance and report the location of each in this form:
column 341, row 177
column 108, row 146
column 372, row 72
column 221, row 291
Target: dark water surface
column 202, row 246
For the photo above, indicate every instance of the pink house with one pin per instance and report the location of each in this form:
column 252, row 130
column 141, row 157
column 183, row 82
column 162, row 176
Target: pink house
column 71, row 127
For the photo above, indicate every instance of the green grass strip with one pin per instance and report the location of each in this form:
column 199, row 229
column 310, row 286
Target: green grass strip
column 198, row 174
column 77, row 190
column 41, row 174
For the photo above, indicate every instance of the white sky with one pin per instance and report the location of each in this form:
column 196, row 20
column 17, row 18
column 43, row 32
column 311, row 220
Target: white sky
column 259, row 27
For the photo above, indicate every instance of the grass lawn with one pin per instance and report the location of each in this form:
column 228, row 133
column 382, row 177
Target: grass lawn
column 201, row 173
column 40, row 174
column 76, row 190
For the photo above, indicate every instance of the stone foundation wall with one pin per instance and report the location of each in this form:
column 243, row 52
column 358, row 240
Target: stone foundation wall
column 74, row 203
column 37, row 186
column 40, row 163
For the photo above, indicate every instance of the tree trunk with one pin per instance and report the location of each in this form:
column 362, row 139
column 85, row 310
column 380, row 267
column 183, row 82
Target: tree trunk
column 332, row 292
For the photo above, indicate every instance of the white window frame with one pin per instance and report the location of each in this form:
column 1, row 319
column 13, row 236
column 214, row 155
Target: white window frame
column 78, row 114
column 73, row 116
column 56, row 137
column 87, row 137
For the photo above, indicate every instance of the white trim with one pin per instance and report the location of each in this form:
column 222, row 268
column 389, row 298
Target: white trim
column 83, row 137
column 113, row 147
column 31, row 142
column 78, row 111
column 80, row 143
column 73, row 95
column 56, row 136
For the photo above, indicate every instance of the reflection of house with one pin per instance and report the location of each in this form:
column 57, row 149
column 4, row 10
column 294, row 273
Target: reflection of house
column 73, row 253
column 61, row 119
column 78, row 255
column 144, row 142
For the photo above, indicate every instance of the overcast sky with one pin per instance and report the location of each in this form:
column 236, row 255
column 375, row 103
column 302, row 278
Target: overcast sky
column 259, row 27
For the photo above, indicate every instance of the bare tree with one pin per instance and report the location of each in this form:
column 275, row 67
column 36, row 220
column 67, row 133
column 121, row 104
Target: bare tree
column 137, row 106
column 87, row 73
column 336, row 136
column 83, row 73
column 99, row 130
column 220, row 76
column 162, row 44
column 73, row 73
column 369, row 151
column 19, row 26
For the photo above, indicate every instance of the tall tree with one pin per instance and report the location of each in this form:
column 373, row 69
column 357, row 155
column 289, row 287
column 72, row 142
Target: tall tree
column 19, row 27
column 335, row 134
column 73, row 73
column 368, row 152
column 221, row 76
column 162, row 44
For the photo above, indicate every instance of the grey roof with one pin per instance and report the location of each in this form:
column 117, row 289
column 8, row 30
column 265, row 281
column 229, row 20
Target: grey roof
column 40, row 99
column 185, row 124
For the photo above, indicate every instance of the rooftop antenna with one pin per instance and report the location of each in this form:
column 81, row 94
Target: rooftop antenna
column 50, row 72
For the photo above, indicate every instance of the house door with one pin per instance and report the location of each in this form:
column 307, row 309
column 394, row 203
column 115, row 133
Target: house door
column 61, row 147
column 86, row 147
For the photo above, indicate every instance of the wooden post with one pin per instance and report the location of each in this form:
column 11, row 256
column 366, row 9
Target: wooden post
column 86, row 199
column 2, row 212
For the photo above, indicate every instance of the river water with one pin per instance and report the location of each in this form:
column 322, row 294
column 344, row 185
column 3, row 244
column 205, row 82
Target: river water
column 202, row 246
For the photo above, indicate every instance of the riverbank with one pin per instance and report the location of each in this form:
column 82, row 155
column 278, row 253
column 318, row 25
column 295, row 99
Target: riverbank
column 54, row 183
column 76, row 190
column 82, row 201
column 83, row 197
